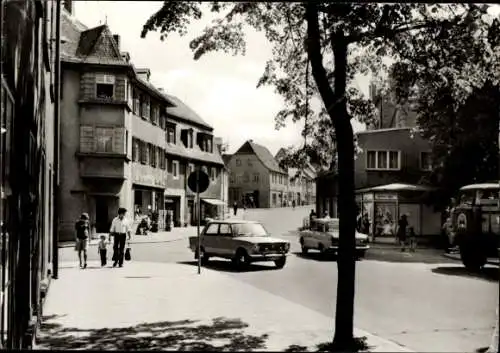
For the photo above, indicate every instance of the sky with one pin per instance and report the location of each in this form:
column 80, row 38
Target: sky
column 221, row 88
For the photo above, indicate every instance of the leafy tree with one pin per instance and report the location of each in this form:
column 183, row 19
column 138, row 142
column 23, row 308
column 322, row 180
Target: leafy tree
column 454, row 87
column 318, row 48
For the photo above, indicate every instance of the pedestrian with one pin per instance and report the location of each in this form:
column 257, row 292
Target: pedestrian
column 401, row 233
column 450, row 234
column 102, row 250
column 235, row 208
column 365, row 224
column 120, row 230
column 82, row 228
column 412, row 237
column 312, row 216
column 326, row 215
column 293, row 204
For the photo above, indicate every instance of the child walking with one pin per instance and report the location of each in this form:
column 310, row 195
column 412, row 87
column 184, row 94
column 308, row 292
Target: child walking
column 102, row 249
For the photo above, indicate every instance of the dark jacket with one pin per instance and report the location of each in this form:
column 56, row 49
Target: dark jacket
column 82, row 228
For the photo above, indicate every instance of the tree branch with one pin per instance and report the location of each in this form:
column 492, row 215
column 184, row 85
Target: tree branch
column 313, row 47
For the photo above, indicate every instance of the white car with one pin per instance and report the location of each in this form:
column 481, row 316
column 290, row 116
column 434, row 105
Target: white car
column 323, row 235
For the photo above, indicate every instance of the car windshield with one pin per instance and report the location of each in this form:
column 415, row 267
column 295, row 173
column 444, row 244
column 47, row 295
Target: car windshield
column 249, row 230
column 332, row 226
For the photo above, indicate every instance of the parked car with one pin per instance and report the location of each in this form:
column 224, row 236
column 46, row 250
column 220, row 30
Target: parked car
column 323, row 234
column 243, row 242
column 476, row 222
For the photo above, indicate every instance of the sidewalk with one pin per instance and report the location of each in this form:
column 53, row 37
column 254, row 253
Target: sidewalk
column 171, row 307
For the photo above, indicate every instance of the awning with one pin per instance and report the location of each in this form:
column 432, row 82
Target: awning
column 215, row 202
column 397, row 187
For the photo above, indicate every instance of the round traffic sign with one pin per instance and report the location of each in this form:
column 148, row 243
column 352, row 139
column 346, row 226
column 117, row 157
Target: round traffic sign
column 202, row 179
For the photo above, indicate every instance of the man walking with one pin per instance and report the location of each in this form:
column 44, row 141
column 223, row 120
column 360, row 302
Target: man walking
column 235, row 208
column 120, row 229
column 82, row 228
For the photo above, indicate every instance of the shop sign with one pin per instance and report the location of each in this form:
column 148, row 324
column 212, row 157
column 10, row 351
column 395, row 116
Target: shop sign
column 391, row 197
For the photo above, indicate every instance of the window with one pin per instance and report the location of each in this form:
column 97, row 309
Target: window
column 256, row 177
column 145, row 107
column 383, row 160
column 187, row 138
column 238, row 162
column 162, row 158
column 171, row 134
column 155, row 114
column 225, row 229
column 246, row 178
column 146, row 153
column 249, row 162
column 232, row 179
column 135, row 150
column 212, row 229
column 213, row 173
column 163, row 121
column 205, row 169
column 425, row 161
column 371, row 160
column 136, row 103
column 105, row 86
column 190, row 168
column 175, row 169
column 104, row 136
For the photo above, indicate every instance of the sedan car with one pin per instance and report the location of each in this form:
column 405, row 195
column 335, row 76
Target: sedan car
column 323, row 235
column 243, row 242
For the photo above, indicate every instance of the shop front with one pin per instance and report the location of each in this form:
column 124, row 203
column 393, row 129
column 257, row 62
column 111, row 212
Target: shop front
column 386, row 203
column 212, row 208
column 150, row 202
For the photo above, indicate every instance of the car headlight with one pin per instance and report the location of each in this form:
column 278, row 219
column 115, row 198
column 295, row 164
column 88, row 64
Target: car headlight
column 256, row 248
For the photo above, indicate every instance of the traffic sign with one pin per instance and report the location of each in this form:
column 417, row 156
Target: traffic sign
column 203, row 181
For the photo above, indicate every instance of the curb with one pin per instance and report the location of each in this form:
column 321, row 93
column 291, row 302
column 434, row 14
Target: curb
column 70, row 245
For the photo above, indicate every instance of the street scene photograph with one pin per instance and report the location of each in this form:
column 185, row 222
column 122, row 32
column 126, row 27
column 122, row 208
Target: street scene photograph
column 249, row 176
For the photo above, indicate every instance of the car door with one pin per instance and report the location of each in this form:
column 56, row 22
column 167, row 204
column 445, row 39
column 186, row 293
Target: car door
column 210, row 236
column 319, row 235
column 308, row 235
column 226, row 242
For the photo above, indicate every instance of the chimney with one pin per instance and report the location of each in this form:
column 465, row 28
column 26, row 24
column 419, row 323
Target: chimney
column 116, row 37
column 125, row 56
column 68, row 5
column 144, row 74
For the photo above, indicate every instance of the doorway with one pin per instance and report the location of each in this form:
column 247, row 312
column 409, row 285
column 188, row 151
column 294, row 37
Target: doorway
column 102, row 223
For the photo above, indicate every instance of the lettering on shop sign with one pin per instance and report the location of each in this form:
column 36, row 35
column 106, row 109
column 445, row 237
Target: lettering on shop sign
column 148, row 176
column 385, row 197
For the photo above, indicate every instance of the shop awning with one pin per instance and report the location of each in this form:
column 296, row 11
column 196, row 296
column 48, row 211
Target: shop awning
column 397, row 187
column 214, row 202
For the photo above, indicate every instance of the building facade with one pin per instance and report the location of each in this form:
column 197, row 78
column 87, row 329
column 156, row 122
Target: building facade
column 388, row 172
column 129, row 143
column 256, row 178
column 28, row 97
column 301, row 186
column 190, row 145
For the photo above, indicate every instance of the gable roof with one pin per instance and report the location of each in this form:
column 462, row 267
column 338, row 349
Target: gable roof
column 90, row 38
column 182, row 111
column 263, row 154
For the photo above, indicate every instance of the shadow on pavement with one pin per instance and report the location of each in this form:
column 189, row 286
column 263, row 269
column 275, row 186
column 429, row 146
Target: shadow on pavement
column 227, row 266
column 222, row 334
column 315, row 255
column 487, row 273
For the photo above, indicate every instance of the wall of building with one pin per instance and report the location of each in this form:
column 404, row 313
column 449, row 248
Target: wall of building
column 278, row 185
column 241, row 179
column 391, row 139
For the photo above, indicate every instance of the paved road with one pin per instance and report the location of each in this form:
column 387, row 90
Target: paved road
column 423, row 300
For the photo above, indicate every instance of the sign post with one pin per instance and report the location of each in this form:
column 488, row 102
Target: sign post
column 198, row 182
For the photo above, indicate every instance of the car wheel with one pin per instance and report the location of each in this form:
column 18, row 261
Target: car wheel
column 204, row 257
column 281, row 262
column 360, row 254
column 304, row 248
column 241, row 259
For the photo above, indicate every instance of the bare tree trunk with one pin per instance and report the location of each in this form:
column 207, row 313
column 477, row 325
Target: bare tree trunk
column 346, row 265
column 337, row 110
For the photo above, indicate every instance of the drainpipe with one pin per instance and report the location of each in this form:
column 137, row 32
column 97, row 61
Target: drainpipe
column 57, row 93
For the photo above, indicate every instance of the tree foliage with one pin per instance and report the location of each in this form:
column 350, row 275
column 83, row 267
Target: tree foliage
column 318, row 48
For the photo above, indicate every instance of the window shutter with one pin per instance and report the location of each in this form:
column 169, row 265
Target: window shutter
column 119, row 140
column 87, row 138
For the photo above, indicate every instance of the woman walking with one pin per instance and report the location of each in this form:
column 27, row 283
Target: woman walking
column 401, row 234
column 82, row 228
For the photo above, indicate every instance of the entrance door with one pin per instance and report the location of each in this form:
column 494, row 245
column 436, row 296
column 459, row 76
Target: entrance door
column 102, row 223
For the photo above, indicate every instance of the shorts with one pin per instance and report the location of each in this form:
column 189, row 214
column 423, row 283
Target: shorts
column 81, row 245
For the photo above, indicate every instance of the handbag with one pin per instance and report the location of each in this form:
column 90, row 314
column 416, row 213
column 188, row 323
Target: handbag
column 128, row 256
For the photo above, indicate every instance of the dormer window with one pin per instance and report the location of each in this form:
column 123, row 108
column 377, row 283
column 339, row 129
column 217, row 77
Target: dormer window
column 204, row 141
column 187, row 137
column 105, row 86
